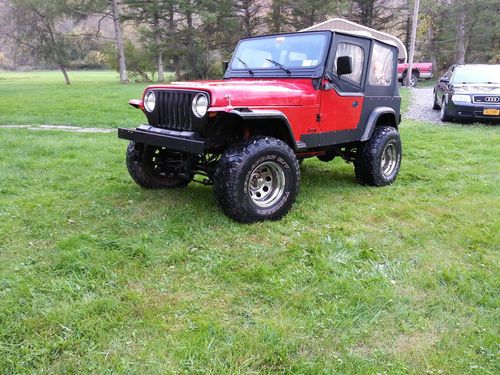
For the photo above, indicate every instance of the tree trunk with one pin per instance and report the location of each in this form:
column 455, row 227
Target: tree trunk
column 159, row 65
column 159, row 57
column 408, row 25
column 171, row 30
column 460, row 52
column 119, row 42
column 192, row 58
column 177, row 67
column 65, row 74
column 247, row 19
column 276, row 17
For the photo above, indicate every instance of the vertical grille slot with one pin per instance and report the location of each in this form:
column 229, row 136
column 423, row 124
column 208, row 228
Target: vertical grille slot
column 174, row 109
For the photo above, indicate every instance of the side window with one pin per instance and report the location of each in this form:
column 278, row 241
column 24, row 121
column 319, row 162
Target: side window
column 357, row 60
column 381, row 66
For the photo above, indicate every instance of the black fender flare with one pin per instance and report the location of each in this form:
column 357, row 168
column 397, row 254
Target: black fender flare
column 373, row 118
column 266, row 114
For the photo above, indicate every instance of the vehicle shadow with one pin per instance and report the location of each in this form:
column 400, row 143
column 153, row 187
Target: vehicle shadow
column 329, row 173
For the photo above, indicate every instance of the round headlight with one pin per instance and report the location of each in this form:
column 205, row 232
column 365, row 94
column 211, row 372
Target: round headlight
column 149, row 101
column 200, row 105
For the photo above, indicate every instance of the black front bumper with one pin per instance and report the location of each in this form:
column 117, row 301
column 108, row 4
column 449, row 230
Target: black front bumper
column 472, row 111
column 174, row 140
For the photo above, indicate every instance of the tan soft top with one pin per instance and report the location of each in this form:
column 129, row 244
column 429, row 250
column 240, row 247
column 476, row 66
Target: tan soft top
column 342, row 25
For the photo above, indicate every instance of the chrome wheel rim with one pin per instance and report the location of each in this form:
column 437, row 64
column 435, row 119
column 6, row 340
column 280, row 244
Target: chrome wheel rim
column 266, row 184
column 389, row 159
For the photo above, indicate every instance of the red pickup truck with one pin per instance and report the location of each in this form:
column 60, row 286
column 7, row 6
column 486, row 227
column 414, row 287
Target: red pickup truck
column 419, row 71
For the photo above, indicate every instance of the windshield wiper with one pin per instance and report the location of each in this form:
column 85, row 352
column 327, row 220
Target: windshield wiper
column 279, row 66
column 245, row 65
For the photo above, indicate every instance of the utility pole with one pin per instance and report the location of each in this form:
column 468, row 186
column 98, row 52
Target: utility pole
column 412, row 43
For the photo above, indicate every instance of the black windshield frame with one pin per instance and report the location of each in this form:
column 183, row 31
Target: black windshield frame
column 277, row 72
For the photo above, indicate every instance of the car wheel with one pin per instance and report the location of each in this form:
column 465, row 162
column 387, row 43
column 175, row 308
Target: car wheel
column 256, row 180
column 444, row 116
column 154, row 167
column 378, row 160
column 413, row 81
column 435, row 105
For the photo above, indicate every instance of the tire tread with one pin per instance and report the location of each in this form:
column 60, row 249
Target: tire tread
column 229, row 171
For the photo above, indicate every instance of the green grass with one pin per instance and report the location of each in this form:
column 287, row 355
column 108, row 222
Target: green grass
column 94, row 98
column 100, row 276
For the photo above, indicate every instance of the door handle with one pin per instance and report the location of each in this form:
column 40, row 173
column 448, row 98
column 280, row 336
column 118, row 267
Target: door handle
column 354, row 104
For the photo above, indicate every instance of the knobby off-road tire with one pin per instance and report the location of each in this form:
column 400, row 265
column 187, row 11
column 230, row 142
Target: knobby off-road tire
column 378, row 160
column 256, row 180
column 146, row 166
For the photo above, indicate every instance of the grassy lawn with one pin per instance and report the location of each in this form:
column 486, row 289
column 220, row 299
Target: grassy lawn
column 94, row 98
column 99, row 276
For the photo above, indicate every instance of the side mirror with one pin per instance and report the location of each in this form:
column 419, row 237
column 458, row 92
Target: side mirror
column 444, row 80
column 344, row 65
column 225, row 65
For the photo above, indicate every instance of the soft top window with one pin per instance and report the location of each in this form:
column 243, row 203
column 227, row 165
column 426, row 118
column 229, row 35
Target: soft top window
column 289, row 51
column 381, row 66
column 357, row 56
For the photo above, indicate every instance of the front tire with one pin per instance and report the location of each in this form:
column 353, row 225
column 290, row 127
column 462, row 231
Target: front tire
column 152, row 167
column 444, row 116
column 435, row 105
column 378, row 160
column 257, row 180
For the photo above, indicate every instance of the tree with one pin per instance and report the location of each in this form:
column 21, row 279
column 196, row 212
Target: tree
column 249, row 14
column 150, row 16
column 34, row 24
column 278, row 18
column 473, row 38
column 377, row 14
column 107, row 9
column 115, row 15
column 305, row 13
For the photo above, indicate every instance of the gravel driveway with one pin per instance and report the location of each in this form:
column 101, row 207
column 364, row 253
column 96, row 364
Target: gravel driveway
column 421, row 105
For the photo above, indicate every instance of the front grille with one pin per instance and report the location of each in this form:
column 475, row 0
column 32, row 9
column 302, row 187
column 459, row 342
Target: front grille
column 174, row 109
column 487, row 99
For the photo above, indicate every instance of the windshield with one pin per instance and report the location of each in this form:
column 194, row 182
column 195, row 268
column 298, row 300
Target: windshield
column 477, row 74
column 280, row 52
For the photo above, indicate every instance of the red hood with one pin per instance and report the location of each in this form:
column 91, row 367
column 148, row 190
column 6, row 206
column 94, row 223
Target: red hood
column 252, row 92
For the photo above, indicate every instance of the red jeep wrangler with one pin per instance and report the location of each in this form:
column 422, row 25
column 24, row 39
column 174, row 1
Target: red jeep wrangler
column 284, row 98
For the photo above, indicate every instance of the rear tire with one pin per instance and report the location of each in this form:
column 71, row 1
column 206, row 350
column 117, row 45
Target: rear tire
column 378, row 160
column 148, row 167
column 413, row 81
column 257, row 180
